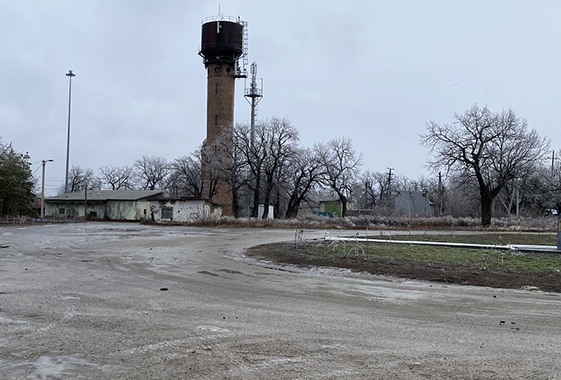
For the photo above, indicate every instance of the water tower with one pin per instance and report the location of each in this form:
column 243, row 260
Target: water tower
column 223, row 45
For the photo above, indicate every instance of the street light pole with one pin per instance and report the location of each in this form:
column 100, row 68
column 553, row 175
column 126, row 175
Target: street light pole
column 70, row 75
column 43, row 190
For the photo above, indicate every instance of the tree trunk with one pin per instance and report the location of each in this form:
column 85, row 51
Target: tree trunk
column 292, row 208
column 343, row 205
column 486, row 207
column 268, row 192
column 256, row 195
column 267, row 202
column 235, row 203
column 265, row 210
column 277, row 209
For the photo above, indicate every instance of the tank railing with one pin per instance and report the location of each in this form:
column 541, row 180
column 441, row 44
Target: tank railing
column 220, row 17
column 253, row 91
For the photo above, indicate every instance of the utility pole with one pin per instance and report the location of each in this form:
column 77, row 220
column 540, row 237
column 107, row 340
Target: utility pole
column 559, row 232
column 253, row 95
column 70, row 75
column 517, row 201
column 390, row 190
column 440, row 192
column 389, row 182
column 43, row 189
column 86, row 203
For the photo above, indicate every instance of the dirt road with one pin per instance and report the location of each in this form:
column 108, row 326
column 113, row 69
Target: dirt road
column 106, row 301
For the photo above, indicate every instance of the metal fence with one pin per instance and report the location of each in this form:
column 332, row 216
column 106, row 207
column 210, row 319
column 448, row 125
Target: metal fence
column 27, row 220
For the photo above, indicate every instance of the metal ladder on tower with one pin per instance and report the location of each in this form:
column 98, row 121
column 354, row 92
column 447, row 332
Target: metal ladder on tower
column 245, row 47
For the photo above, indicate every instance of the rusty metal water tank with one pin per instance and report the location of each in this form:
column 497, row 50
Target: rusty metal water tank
column 222, row 39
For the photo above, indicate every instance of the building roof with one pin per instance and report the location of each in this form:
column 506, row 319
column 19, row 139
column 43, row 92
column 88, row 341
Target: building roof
column 105, row 195
column 161, row 197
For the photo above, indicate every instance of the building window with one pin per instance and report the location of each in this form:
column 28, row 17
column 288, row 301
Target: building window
column 144, row 212
column 216, row 89
column 215, row 119
column 93, row 214
column 167, row 213
column 61, row 210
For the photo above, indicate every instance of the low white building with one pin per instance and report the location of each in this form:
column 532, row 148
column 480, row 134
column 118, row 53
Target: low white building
column 138, row 205
column 101, row 204
column 183, row 209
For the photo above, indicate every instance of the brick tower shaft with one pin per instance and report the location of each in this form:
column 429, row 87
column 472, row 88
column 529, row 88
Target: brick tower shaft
column 220, row 116
column 220, row 100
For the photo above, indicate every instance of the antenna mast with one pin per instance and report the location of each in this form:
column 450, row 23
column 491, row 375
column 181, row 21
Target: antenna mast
column 255, row 93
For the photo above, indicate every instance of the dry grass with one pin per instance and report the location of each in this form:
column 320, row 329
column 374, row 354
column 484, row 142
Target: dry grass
column 544, row 224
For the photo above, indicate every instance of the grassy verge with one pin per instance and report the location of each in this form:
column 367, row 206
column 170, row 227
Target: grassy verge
column 466, row 259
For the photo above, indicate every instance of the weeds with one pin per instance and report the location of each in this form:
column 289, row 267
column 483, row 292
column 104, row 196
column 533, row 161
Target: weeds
column 383, row 222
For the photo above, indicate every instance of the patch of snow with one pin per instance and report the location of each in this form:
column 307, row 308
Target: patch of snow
column 213, row 329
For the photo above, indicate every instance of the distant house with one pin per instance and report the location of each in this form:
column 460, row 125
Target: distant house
column 413, row 203
column 37, row 205
column 333, row 207
column 134, row 205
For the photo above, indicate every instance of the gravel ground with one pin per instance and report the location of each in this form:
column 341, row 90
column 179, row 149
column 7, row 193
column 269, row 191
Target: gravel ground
column 125, row 301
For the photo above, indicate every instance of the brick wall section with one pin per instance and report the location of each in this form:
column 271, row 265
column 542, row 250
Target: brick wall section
column 220, row 115
column 220, row 99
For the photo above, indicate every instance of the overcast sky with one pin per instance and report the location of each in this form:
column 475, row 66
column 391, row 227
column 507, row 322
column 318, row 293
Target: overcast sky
column 373, row 71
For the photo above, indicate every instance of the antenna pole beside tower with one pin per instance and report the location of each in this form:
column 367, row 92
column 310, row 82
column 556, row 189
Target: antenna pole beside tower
column 255, row 93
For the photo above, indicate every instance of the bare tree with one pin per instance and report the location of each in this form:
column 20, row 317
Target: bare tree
column 377, row 190
column 219, row 165
column 264, row 157
column 369, row 190
column 79, row 179
column 381, row 181
column 554, row 184
column 305, row 171
column 461, row 196
column 491, row 149
column 152, row 172
column 251, row 155
column 117, row 178
column 187, row 175
column 281, row 140
column 535, row 194
column 238, row 179
column 341, row 165
column 403, row 183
